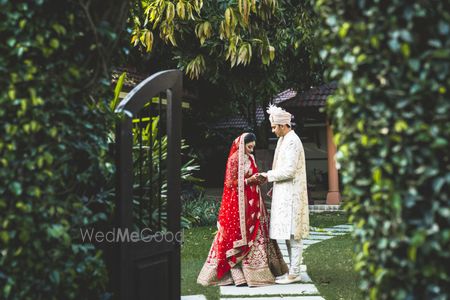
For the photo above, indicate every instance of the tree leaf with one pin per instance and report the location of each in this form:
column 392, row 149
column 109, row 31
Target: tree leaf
column 181, row 10
column 117, row 91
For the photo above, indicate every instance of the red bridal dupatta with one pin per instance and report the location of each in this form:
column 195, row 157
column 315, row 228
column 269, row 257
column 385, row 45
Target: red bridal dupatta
column 241, row 252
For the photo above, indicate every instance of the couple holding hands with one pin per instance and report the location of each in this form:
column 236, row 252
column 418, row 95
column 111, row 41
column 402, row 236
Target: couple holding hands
column 245, row 250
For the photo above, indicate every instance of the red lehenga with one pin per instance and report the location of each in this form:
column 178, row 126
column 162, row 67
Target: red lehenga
column 242, row 252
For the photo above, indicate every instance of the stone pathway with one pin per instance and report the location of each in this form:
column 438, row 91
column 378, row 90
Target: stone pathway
column 193, row 297
column 305, row 290
column 323, row 207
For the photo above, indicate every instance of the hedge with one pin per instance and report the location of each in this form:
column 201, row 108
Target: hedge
column 390, row 116
column 55, row 65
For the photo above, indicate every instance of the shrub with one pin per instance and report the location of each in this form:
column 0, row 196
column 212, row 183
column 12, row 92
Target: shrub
column 391, row 120
column 201, row 211
column 150, row 195
column 54, row 74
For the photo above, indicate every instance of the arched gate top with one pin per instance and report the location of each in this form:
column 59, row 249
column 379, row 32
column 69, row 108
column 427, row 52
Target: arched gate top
column 148, row 88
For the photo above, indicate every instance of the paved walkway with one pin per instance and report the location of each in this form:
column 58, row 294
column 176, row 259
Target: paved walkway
column 305, row 290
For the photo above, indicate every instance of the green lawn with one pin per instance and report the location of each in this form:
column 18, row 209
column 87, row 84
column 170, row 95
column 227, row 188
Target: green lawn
column 330, row 266
column 327, row 219
column 197, row 242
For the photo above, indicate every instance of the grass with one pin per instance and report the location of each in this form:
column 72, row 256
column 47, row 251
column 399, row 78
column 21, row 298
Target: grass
column 330, row 266
column 327, row 219
column 197, row 242
column 194, row 251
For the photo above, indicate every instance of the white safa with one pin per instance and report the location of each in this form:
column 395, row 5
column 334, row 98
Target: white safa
column 278, row 116
column 273, row 109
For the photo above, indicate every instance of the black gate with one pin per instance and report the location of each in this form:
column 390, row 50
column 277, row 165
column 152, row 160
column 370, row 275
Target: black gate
column 148, row 190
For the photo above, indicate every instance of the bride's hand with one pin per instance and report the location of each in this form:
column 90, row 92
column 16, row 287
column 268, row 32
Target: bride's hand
column 252, row 179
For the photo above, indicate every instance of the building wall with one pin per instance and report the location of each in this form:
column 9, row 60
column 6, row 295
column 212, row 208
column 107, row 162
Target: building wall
column 314, row 137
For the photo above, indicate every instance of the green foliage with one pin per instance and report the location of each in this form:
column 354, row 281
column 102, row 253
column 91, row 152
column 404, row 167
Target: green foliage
column 391, row 118
column 201, row 211
column 54, row 72
column 117, row 91
column 148, row 212
column 232, row 24
column 223, row 34
column 248, row 50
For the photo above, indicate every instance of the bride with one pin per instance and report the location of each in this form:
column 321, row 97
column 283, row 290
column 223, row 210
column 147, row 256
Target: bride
column 242, row 252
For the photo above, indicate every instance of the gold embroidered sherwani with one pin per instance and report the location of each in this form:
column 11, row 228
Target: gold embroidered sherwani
column 289, row 213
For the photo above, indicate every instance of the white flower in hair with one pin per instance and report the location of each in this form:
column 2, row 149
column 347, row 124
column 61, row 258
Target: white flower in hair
column 272, row 109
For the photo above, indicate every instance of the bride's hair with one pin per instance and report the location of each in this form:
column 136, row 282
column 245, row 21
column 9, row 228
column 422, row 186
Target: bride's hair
column 249, row 137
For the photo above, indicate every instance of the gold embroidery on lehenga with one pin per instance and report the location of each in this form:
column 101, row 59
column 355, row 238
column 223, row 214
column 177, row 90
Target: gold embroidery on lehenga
column 260, row 266
column 264, row 260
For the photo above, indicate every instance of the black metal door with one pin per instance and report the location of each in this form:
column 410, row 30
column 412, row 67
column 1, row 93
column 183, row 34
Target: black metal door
column 148, row 190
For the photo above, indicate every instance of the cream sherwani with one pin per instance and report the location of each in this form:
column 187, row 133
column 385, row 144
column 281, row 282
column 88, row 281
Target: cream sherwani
column 289, row 213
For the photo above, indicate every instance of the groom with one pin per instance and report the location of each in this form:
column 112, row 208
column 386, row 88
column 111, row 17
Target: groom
column 289, row 215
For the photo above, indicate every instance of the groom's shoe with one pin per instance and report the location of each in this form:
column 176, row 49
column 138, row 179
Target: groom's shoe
column 281, row 276
column 287, row 279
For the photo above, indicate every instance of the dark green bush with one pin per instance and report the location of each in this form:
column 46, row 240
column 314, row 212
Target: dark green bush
column 201, row 211
column 54, row 73
column 391, row 119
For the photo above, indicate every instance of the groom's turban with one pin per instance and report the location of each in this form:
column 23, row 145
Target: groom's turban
column 278, row 116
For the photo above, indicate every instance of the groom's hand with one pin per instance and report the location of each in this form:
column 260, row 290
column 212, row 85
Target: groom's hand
column 262, row 178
